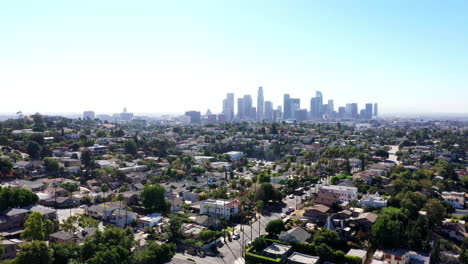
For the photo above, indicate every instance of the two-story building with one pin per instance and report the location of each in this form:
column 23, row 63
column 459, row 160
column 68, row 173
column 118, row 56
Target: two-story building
column 220, row 208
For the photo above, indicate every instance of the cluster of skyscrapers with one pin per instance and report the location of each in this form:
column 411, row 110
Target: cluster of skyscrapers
column 291, row 109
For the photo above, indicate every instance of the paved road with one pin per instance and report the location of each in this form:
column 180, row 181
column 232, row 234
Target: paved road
column 231, row 252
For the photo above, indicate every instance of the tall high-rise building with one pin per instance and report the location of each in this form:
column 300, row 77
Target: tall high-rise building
column 240, row 108
column 260, row 104
column 195, row 117
column 268, row 115
column 300, row 115
column 319, row 97
column 315, row 108
column 228, row 107
column 295, row 104
column 331, row 107
column 286, row 107
column 248, row 107
column 368, row 111
column 354, row 110
column 376, row 108
column 88, row 115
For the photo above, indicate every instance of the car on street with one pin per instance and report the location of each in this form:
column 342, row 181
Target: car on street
column 291, row 196
column 283, row 215
column 236, row 236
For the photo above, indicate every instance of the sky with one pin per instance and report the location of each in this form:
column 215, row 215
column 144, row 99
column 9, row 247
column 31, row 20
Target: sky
column 175, row 56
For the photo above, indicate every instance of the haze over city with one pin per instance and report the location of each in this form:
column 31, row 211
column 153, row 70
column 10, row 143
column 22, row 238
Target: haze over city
column 154, row 56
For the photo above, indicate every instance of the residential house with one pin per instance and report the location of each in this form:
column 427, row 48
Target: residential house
column 122, row 218
column 366, row 220
column 13, row 218
column 150, row 220
column 295, row 235
column 317, row 213
column 456, row 231
column 276, row 250
column 329, row 194
column 220, row 208
column 9, row 249
column 373, row 200
column 298, row 258
column 102, row 211
column 456, row 199
column 62, row 237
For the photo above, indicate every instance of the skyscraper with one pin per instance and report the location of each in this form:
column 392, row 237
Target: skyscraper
column 295, row 104
column 331, row 107
column 268, row 115
column 228, row 107
column 260, row 104
column 315, row 108
column 368, row 111
column 319, row 97
column 286, row 107
column 376, row 113
column 240, row 108
column 248, row 107
column 195, row 117
column 88, row 115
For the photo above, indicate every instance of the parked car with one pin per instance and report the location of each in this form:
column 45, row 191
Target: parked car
column 283, row 215
column 236, row 236
column 291, row 196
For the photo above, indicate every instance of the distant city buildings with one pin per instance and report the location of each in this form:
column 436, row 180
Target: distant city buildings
column 88, row 115
column 195, row 117
column 290, row 110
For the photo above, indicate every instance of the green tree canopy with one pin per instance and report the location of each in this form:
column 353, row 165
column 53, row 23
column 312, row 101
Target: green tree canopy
column 36, row 252
column 37, row 227
column 274, row 227
column 153, row 199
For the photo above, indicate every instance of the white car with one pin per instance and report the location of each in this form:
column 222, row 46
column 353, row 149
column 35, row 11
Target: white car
column 236, row 236
column 283, row 215
column 291, row 196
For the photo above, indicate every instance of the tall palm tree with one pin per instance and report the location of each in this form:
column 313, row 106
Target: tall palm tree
column 259, row 205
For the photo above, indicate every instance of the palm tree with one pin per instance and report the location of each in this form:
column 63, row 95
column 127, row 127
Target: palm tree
column 259, row 209
column 104, row 189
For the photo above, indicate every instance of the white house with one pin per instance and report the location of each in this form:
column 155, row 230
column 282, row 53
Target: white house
column 122, row 218
column 329, row 194
column 149, row 220
column 221, row 208
column 456, row 199
column 373, row 200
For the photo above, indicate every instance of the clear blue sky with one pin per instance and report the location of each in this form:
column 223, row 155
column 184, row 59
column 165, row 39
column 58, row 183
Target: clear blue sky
column 172, row 56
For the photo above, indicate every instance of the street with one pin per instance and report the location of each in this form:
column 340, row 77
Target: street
column 231, row 252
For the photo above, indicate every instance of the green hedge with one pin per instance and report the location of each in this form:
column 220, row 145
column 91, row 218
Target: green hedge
column 254, row 258
column 352, row 259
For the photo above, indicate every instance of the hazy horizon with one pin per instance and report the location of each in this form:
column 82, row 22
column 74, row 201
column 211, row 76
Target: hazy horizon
column 155, row 56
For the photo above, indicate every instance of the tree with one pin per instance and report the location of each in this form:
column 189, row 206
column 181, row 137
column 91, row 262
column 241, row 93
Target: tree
column 100, row 133
column 388, row 230
column 155, row 253
column 175, row 225
column 130, row 147
column 63, row 253
column 87, row 159
column 274, row 227
column 5, row 165
column 207, row 235
column 259, row 243
column 34, row 149
column 52, row 165
column 36, row 252
column 153, row 199
column 37, row 227
column 435, row 212
column 328, row 237
column 464, row 252
column 113, row 245
column 14, row 198
column 325, row 252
